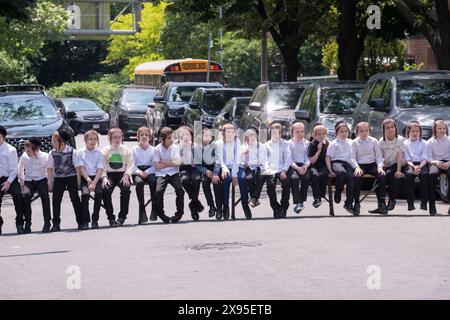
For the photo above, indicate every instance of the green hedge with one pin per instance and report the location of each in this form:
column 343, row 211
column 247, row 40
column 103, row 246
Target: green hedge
column 101, row 92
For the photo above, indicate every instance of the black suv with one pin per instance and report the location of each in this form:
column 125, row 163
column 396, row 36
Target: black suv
column 206, row 104
column 26, row 111
column 272, row 102
column 129, row 108
column 168, row 108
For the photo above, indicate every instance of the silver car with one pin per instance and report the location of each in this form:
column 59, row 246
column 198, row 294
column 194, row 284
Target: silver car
column 405, row 96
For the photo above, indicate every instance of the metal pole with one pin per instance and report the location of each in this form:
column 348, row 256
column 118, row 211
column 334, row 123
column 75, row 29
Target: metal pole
column 220, row 35
column 209, row 55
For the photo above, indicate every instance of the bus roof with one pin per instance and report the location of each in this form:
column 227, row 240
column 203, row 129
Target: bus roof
column 158, row 67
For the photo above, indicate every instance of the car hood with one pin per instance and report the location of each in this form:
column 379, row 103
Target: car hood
column 425, row 115
column 32, row 128
column 177, row 105
column 90, row 113
column 329, row 120
column 282, row 115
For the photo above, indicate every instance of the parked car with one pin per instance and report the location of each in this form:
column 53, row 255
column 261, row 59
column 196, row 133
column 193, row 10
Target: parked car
column 232, row 112
column 129, row 108
column 272, row 101
column 206, row 104
column 83, row 115
column 328, row 102
column 170, row 103
column 26, row 111
column 405, row 96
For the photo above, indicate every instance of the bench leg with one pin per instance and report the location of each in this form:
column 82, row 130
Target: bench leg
column 233, row 194
column 330, row 199
column 374, row 187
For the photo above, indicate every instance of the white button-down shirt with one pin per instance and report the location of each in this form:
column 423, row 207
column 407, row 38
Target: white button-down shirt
column 253, row 156
column 341, row 150
column 92, row 160
column 229, row 155
column 416, row 151
column 390, row 148
column 33, row 168
column 366, row 151
column 170, row 154
column 278, row 156
column 8, row 162
column 439, row 149
column 143, row 157
column 299, row 151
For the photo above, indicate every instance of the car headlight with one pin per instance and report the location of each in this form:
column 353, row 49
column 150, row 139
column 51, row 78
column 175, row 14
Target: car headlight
column 105, row 116
column 208, row 118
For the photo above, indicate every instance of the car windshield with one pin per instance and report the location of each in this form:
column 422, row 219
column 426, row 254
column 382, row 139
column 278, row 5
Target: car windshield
column 143, row 97
column 423, row 92
column 283, row 98
column 241, row 104
column 80, row 105
column 13, row 108
column 213, row 103
column 339, row 100
column 181, row 94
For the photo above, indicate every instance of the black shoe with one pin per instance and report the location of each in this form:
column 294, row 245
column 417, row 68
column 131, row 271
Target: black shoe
column 84, row 226
column 356, row 209
column 46, row 227
column 317, row 203
column 120, row 222
column 20, row 229
column 27, row 228
column 283, row 213
column 433, row 210
column 448, row 212
column 199, row 206
column 411, row 207
column 1, row 224
column 382, row 209
column 248, row 213
column 219, row 213
column 391, row 204
column 349, row 208
column 94, row 225
column 233, row 217
column 212, row 212
column 55, row 228
column 113, row 223
column 165, row 218
column 142, row 217
column 153, row 215
column 194, row 213
column 177, row 217
column 423, row 206
column 276, row 214
column 226, row 213
column 337, row 197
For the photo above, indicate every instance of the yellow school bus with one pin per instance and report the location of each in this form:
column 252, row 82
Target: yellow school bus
column 156, row 73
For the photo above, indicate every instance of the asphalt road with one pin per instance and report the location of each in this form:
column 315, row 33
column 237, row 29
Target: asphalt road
column 308, row 256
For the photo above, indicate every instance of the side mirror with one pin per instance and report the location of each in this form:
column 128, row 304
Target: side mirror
column 302, row 114
column 158, row 99
column 226, row 116
column 193, row 105
column 151, row 105
column 378, row 105
column 255, row 106
column 71, row 115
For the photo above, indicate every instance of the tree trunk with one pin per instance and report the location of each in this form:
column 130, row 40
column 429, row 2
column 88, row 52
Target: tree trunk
column 441, row 48
column 350, row 45
column 264, row 57
column 290, row 58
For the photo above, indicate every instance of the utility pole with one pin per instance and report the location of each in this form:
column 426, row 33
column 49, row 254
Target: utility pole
column 210, row 45
column 220, row 35
column 264, row 57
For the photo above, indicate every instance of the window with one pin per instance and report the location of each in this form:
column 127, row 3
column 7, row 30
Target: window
column 387, row 94
column 423, row 93
column 377, row 92
column 305, row 99
column 367, row 91
column 312, row 104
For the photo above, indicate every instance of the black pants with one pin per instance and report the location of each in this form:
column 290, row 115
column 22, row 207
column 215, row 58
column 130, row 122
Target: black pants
column 16, row 194
column 344, row 176
column 319, row 181
column 41, row 186
column 271, row 192
column 191, row 180
column 423, row 177
column 372, row 169
column 255, row 182
column 140, row 184
column 161, row 185
column 59, row 186
column 114, row 179
column 85, row 197
column 435, row 172
column 218, row 195
column 299, row 184
column 392, row 183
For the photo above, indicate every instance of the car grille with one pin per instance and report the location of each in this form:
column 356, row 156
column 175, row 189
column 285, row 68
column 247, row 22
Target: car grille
column 176, row 112
column 426, row 133
column 18, row 143
column 93, row 118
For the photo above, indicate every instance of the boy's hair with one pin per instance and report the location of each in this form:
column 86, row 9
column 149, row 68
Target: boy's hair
column 227, row 125
column 91, row 133
column 250, row 132
column 186, row 128
column 411, row 125
column 362, row 124
column 276, row 125
column 319, row 126
column 140, row 130
column 64, row 135
column 58, row 137
column 164, row 133
column 3, row 131
column 383, row 125
column 339, row 125
column 436, row 122
column 34, row 143
column 112, row 131
column 296, row 125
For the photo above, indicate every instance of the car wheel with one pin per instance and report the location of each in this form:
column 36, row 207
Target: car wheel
column 443, row 187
